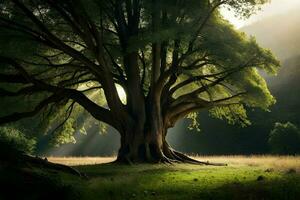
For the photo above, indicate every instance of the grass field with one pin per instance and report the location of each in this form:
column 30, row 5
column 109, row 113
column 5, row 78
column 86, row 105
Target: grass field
column 253, row 177
column 278, row 163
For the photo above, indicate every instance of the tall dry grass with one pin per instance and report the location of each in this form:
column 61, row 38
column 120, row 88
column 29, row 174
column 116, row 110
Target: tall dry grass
column 281, row 163
column 75, row 161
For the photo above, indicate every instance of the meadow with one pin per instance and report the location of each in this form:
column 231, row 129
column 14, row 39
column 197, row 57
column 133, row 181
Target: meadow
column 251, row 177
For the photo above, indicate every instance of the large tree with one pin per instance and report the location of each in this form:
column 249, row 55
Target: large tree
column 173, row 58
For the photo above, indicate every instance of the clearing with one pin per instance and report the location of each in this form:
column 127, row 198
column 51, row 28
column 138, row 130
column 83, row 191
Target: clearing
column 252, row 177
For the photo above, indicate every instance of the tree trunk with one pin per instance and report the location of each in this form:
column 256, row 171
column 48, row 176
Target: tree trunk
column 143, row 136
column 147, row 146
column 150, row 146
column 138, row 146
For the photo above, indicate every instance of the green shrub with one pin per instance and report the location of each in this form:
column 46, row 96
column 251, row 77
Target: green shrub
column 285, row 139
column 12, row 139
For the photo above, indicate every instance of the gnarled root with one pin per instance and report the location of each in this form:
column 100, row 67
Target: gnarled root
column 164, row 155
column 181, row 157
column 187, row 159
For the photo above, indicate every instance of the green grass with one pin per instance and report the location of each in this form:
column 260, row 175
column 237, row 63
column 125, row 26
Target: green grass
column 244, row 178
column 180, row 181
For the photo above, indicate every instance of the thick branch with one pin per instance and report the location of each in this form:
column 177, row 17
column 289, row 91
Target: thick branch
column 95, row 110
column 17, row 116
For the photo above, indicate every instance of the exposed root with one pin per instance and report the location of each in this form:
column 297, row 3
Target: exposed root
column 167, row 160
column 187, row 159
column 44, row 163
column 181, row 157
column 167, row 156
column 156, row 153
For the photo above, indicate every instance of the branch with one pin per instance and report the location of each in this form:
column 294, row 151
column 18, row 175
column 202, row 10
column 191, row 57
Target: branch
column 56, row 42
column 195, row 79
column 202, row 25
column 95, row 110
column 227, row 98
column 142, row 59
column 69, row 111
column 17, row 116
column 213, row 83
column 23, row 91
column 181, row 110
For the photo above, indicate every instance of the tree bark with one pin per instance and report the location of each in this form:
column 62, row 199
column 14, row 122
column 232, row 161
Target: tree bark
column 149, row 144
column 137, row 147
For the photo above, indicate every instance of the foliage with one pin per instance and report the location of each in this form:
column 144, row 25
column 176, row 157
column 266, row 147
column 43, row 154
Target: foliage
column 285, row 139
column 219, row 138
column 12, row 138
column 171, row 59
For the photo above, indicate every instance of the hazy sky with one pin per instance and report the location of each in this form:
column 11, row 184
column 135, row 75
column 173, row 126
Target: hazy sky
column 273, row 8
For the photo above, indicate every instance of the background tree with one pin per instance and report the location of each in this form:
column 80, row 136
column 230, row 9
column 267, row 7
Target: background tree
column 285, row 139
column 172, row 59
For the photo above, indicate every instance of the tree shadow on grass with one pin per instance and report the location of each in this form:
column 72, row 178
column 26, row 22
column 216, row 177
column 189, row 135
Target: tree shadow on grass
column 27, row 184
column 148, row 182
column 285, row 188
column 111, row 182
